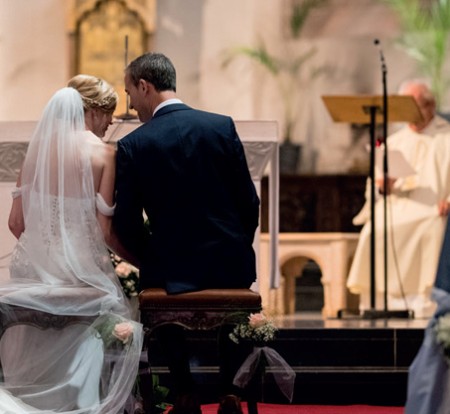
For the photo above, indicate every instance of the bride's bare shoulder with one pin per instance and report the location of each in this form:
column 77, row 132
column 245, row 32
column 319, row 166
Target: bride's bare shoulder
column 98, row 147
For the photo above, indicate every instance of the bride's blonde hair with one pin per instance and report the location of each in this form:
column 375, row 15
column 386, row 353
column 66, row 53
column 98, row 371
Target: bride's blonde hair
column 95, row 92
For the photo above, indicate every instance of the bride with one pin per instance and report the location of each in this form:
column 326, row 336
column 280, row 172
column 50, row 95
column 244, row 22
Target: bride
column 61, row 216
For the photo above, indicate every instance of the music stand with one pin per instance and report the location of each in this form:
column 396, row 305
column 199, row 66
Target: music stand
column 364, row 110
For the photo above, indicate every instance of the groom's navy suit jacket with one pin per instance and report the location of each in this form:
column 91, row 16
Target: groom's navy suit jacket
column 187, row 170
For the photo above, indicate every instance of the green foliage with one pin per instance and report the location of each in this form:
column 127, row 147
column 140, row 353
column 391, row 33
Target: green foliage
column 258, row 54
column 300, row 12
column 159, row 395
column 286, row 71
column 425, row 38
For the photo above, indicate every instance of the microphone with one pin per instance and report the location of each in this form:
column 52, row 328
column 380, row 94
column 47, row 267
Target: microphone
column 377, row 43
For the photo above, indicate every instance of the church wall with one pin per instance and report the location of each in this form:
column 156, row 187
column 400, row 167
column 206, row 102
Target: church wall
column 33, row 56
column 225, row 26
column 179, row 36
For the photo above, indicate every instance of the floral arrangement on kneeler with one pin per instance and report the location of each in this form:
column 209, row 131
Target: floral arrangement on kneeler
column 127, row 274
column 442, row 331
column 259, row 329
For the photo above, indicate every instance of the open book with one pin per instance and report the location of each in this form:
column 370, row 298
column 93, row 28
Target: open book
column 398, row 166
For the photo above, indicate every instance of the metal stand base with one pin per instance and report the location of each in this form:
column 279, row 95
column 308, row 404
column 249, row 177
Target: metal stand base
column 372, row 314
column 388, row 314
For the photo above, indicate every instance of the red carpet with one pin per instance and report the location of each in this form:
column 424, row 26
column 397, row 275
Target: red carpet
column 312, row 409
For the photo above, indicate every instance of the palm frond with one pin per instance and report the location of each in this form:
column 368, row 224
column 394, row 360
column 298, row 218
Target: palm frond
column 258, row 54
column 425, row 38
column 440, row 14
column 299, row 61
column 300, row 12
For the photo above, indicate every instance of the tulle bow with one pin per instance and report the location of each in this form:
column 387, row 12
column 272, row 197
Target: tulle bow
column 284, row 375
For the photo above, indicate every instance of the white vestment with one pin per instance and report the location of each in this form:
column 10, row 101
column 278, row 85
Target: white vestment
column 415, row 229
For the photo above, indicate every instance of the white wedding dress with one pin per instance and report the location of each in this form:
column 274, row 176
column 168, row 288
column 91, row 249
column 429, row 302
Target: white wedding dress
column 61, row 267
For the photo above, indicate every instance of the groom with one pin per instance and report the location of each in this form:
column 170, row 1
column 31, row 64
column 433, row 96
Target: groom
column 186, row 169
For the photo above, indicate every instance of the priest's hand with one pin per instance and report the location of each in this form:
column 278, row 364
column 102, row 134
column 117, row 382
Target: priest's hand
column 444, row 208
column 379, row 182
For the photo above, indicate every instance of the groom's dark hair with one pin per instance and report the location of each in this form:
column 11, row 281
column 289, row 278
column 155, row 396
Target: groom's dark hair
column 155, row 68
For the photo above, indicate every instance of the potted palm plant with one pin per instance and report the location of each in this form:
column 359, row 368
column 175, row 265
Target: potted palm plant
column 286, row 71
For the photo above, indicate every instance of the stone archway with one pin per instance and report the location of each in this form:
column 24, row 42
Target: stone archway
column 293, row 269
column 333, row 254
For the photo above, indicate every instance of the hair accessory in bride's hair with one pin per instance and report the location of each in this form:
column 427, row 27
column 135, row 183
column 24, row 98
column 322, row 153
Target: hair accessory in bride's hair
column 106, row 104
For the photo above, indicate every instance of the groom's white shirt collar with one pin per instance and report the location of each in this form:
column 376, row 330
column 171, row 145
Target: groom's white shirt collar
column 165, row 103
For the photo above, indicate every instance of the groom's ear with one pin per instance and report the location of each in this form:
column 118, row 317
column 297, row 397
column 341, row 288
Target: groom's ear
column 144, row 85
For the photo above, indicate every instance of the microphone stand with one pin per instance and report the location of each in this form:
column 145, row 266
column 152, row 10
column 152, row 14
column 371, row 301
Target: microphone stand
column 385, row 313
column 385, row 178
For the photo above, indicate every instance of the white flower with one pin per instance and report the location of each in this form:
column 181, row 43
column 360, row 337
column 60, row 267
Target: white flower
column 258, row 328
column 442, row 329
column 442, row 332
column 123, row 269
column 256, row 320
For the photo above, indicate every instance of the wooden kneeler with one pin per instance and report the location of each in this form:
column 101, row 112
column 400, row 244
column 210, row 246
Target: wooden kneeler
column 12, row 315
column 201, row 310
column 39, row 319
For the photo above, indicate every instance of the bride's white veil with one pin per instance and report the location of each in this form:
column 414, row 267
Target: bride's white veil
column 61, row 266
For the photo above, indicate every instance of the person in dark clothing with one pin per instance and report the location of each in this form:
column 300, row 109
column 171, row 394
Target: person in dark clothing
column 186, row 169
